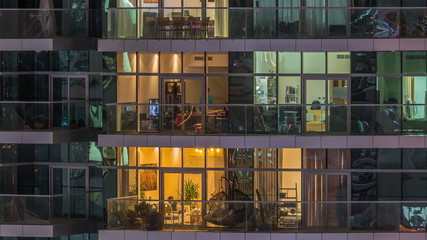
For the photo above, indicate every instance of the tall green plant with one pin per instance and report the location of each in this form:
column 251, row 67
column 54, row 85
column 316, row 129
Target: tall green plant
column 191, row 191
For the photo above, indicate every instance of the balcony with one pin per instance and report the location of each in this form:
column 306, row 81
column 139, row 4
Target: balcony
column 265, row 216
column 44, row 216
column 44, row 23
column 265, row 23
column 264, row 119
column 45, row 122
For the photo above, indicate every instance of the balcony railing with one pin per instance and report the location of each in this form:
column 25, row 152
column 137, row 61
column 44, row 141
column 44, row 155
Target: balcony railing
column 43, row 115
column 322, row 119
column 30, row 209
column 265, row 216
column 265, row 23
column 44, row 23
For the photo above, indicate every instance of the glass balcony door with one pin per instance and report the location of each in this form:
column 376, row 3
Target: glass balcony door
column 70, row 101
column 321, row 115
column 180, row 190
column 328, row 187
column 187, row 91
column 69, row 187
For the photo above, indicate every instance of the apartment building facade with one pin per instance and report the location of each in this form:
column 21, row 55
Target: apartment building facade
column 214, row 119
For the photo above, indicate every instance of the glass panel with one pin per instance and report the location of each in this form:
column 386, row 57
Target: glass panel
column 193, row 191
column 78, row 89
column 315, row 92
column 364, row 90
column 265, row 62
column 363, row 62
column 241, row 62
column 60, row 181
column 289, row 62
column 215, row 157
column 216, row 62
column 338, row 159
column 338, row 62
column 172, row 190
column 170, row 62
column 289, row 90
column 60, row 89
column 171, row 157
column 149, row 182
column 126, row 62
column 194, row 62
column 194, row 157
column 337, row 91
column 126, row 89
column 193, row 91
column 390, row 90
column 414, row 158
column 314, row 62
column 388, row 62
column 314, row 158
column 414, row 62
column 265, row 90
column 217, row 90
column 148, row 62
column 77, row 180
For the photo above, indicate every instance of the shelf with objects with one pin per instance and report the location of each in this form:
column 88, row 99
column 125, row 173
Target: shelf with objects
column 289, row 214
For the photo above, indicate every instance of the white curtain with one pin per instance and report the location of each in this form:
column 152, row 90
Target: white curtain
column 221, row 19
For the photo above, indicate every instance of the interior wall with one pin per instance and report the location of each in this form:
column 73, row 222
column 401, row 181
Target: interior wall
column 170, row 62
column 149, row 157
column 291, row 158
column 193, row 91
column 148, row 88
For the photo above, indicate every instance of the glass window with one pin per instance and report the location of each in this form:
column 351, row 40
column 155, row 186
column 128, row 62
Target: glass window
column 148, row 157
column 314, row 158
column 414, row 158
column 149, row 183
column 79, row 61
column 290, row 188
column 194, row 62
column 127, row 182
column 338, row 62
column 389, row 158
column 126, row 62
column 363, row 62
column 127, row 156
column 215, row 183
column 217, row 89
column 194, row 157
column 388, row 62
column 389, row 90
column 216, row 62
column 215, row 158
column 414, row 92
column 414, row 187
column 289, row 91
column 148, row 62
column 338, row 158
column 171, row 157
column 414, row 62
column 265, row 90
column 148, row 88
column 240, row 62
column 265, row 62
column 126, row 89
column 364, row 90
column 289, row 62
column 314, row 62
column 170, row 62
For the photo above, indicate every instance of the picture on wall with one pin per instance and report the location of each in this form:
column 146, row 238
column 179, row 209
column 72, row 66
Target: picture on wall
column 148, row 177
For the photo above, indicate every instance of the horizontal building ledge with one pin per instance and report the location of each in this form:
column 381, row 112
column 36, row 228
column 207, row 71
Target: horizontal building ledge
column 167, row 235
column 48, row 44
column 118, row 140
column 249, row 45
column 48, row 230
column 48, row 136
